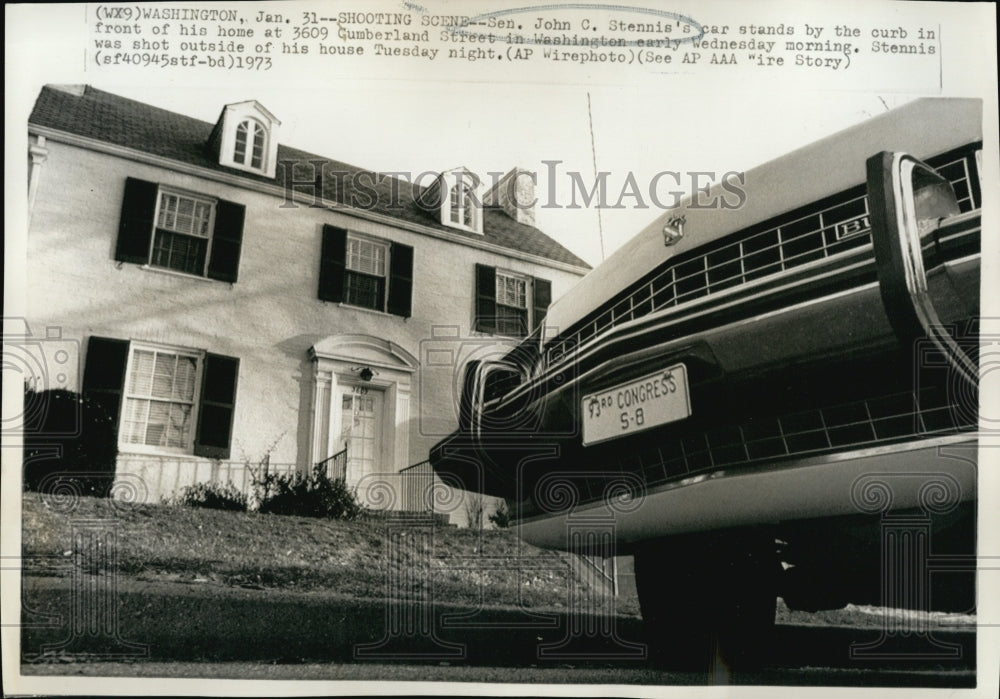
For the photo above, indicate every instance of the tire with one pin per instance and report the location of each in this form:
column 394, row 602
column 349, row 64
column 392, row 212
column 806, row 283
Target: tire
column 708, row 599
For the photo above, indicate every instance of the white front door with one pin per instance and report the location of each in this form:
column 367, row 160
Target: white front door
column 361, row 430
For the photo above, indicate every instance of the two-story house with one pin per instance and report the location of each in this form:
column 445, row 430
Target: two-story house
column 229, row 299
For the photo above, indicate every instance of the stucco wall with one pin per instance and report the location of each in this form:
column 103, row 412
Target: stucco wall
column 269, row 318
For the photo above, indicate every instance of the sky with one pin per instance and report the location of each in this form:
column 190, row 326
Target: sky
column 431, row 126
column 417, row 116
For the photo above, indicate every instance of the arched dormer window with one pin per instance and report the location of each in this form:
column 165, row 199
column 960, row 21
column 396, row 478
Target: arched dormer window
column 453, row 200
column 246, row 138
column 462, row 205
column 250, row 144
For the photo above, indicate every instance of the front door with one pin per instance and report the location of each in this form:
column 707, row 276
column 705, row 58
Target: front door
column 361, row 431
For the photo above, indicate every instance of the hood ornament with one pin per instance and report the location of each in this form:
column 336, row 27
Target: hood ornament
column 674, row 230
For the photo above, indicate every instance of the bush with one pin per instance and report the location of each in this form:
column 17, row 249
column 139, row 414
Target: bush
column 307, row 496
column 501, row 517
column 68, row 441
column 214, row 496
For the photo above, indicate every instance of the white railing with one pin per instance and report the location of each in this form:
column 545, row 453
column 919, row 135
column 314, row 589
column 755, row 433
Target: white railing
column 156, row 478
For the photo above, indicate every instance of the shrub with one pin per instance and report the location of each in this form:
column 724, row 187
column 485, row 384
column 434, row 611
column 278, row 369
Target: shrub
column 501, row 517
column 307, row 496
column 67, row 441
column 214, row 496
column 474, row 503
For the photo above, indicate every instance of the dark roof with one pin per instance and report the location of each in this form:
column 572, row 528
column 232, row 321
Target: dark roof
column 120, row 121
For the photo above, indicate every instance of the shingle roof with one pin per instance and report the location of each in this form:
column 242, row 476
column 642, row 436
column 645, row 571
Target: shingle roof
column 103, row 116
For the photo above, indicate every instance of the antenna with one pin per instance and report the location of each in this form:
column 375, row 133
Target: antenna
column 593, row 155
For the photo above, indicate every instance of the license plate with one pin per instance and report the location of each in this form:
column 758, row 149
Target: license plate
column 636, row 406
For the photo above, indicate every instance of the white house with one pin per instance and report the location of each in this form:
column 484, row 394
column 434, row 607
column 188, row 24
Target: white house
column 232, row 300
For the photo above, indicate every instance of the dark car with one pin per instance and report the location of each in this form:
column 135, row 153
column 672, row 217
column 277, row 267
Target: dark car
column 751, row 397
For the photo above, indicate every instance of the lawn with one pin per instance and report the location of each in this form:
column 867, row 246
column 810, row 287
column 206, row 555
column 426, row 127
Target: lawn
column 241, row 549
column 233, row 550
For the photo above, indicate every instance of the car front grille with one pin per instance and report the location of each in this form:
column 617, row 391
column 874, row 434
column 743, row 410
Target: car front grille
column 835, row 227
column 872, row 401
column 905, row 415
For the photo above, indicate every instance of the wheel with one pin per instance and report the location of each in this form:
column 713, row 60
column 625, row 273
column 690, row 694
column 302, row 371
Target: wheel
column 708, row 599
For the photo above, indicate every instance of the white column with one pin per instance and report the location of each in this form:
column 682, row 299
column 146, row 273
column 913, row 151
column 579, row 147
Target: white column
column 334, row 413
column 321, row 414
column 38, row 154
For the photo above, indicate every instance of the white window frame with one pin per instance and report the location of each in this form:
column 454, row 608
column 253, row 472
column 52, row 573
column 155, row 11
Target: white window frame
column 386, row 247
column 235, row 114
column 132, row 447
column 247, row 161
column 528, row 296
column 197, row 198
column 468, row 204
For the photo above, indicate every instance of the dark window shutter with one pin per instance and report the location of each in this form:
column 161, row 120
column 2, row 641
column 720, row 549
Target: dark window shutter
column 486, row 299
column 218, row 403
column 400, row 280
column 227, row 239
column 104, row 375
column 541, row 297
column 135, row 230
column 333, row 260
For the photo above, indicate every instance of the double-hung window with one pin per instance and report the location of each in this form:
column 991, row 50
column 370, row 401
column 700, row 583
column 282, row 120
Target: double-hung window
column 512, row 304
column 160, row 398
column 365, row 272
column 164, row 400
column 508, row 303
column 367, row 264
column 183, row 232
column 167, row 228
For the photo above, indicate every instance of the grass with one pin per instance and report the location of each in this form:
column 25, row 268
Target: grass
column 177, row 543
column 240, row 549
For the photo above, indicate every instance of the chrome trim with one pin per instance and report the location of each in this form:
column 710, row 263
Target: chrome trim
column 668, row 272
column 780, row 492
column 714, row 296
column 630, row 330
column 479, row 391
column 900, row 255
column 953, row 221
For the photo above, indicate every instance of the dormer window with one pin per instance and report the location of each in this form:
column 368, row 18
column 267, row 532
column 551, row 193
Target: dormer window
column 249, row 147
column 453, row 200
column 246, row 138
column 462, row 205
